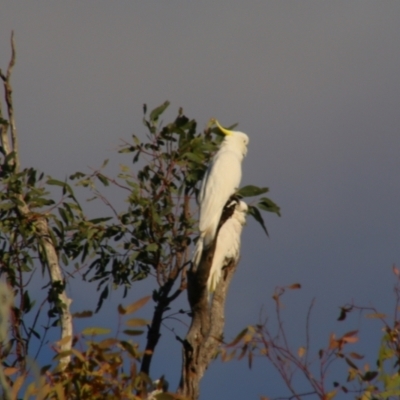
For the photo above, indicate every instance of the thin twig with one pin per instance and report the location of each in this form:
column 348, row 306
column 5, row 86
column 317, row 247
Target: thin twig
column 308, row 330
column 296, row 396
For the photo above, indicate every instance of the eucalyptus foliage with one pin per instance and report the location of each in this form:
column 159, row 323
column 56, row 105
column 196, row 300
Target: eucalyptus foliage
column 151, row 236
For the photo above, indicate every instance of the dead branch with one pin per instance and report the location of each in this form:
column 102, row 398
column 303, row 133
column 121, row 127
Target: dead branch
column 10, row 109
column 41, row 224
column 205, row 333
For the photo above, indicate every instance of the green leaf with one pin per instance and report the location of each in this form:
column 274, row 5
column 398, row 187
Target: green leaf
column 137, row 322
column 152, row 247
column 6, row 206
column 63, row 215
column 10, row 157
column 158, row 111
column 103, row 296
column 393, row 384
column 251, row 191
column 64, row 185
column 255, row 213
column 129, row 348
column 103, row 179
column 95, row 331
column 128, row 149
column 385, row 353
column 267, row 204
column 99, row 220
column 194, row 157
column 55, row 182
column 77, row 175
column 387, row 393
column 238, row 338
column 64, row 259
column 27, row 304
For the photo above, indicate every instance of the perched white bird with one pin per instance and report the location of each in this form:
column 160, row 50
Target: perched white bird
column 228, row 243
column 221, row 180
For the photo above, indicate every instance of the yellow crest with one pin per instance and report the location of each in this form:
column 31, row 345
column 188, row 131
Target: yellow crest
column 223, row 130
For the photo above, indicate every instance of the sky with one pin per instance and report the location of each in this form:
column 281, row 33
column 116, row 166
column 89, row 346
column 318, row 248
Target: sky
column 314, row 84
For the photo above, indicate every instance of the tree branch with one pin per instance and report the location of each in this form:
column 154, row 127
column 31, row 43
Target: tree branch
column 163, row 302
column 40, row 223
column 10, row 108
column 205, row 333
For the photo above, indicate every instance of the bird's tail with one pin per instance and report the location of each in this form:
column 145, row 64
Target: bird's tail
column 213, row 279
column 215, row 271
column 209, row 234
column 198, row 251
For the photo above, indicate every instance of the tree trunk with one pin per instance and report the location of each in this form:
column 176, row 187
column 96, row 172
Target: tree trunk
column 205, row 333
column 8, row 128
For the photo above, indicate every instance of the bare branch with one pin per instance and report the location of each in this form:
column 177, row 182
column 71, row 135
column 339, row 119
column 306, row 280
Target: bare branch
column 163, row 302
column 205, row 333
column 40, row 222
column 10, row 109
column 308, row 330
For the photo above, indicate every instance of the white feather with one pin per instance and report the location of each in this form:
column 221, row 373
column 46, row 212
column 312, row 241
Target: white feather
column 221, row 180
column 228, row 245
column 198, row 252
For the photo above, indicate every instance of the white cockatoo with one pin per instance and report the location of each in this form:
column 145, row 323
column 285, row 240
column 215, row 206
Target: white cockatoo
column 227, row 247
column 220, row 182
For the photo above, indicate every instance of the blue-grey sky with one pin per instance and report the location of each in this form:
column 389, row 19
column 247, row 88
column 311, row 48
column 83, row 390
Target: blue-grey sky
column 314, row 84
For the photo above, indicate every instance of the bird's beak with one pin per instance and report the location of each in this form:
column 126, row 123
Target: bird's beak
column 223, row 130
